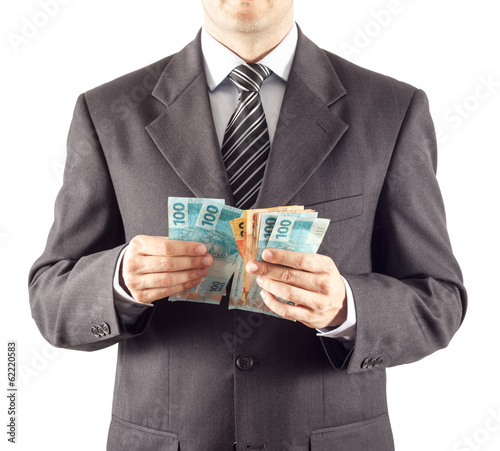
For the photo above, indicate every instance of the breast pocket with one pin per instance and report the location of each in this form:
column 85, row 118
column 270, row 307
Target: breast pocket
column 339, row 209
column 373, row 435
column 126, row 436
column 346, row 235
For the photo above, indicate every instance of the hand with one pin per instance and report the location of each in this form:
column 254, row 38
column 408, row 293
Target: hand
column 155, row 267
column 310, row 282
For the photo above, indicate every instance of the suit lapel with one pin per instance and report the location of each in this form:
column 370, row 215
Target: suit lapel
column 185, row 132
column 307, row 130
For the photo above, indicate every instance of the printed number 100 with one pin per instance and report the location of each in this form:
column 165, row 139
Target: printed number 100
column 268, row 229
column 217, row 286
column 209, row 216
column 284, row 228
column 179, row 215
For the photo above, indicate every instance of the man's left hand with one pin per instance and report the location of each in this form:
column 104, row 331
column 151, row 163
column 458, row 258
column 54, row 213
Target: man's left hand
column 310, row 284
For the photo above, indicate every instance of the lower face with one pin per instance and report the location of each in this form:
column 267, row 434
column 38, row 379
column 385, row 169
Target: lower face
column 248, row 16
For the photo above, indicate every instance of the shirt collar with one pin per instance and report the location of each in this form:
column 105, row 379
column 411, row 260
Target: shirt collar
column 220, row 61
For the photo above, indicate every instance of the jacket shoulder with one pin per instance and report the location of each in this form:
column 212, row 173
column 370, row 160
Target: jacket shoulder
column 365, row 82
column 136, row 85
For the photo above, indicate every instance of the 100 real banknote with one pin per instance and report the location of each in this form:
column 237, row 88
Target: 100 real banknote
column 206, row 221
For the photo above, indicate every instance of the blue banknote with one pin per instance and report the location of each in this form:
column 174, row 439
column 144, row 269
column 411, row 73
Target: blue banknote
column 209, row 224
column 182, row 215
column 298, row 234
column 267, row 224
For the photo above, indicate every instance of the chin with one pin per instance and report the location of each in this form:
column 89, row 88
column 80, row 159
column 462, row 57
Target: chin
column 246, row 23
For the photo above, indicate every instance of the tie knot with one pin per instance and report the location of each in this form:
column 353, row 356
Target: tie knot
column 249, row 77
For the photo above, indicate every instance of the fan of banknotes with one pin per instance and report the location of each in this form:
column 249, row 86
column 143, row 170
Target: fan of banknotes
column 235, row 237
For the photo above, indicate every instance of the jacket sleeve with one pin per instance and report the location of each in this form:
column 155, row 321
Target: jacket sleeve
column 71, row 284
column 414, row 301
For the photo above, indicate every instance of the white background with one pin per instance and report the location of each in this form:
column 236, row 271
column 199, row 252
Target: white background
column 447, row 47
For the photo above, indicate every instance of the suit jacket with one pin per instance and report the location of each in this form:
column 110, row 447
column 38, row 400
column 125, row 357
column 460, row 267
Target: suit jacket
column 356, row 146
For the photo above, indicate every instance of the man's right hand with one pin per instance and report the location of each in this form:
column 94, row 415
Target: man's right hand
column 155, row 267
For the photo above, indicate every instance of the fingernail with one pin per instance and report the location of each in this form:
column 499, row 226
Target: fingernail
column 260, row 280
column 201, row 250
column 252, row 267
column 267, row 255
column 202, row 272
column 207, row 261
column 263, row 295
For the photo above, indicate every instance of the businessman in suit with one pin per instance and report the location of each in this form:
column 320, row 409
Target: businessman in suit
column 383, row 290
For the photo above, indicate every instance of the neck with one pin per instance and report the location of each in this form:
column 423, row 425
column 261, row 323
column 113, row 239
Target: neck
column 250, row 47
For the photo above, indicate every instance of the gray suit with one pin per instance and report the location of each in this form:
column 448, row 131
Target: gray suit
column 356, row 146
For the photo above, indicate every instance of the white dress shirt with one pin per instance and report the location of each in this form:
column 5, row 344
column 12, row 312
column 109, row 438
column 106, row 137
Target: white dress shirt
column 219, row 61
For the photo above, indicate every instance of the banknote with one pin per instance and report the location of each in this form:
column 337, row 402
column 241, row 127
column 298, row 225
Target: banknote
column 236, row 297
column 238, row 228
column 182, row 215
column 213, row 228
column 252, row 225
column 267, row 223
column 234, row 237
column 298, row 234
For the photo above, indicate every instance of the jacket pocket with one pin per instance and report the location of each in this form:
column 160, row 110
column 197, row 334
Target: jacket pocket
column 125, row 436
column 339, row 209
column 374, row 435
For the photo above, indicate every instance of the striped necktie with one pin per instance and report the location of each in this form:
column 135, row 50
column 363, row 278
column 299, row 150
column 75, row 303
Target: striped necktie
column 246, row 145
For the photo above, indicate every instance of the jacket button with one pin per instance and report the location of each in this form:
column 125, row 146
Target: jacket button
column 95, row 332
column 105, row 328
column 379, row 361
column 244, row 362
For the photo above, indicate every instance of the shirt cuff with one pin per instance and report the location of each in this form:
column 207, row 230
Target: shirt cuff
column 347, row 330
column 127, row 307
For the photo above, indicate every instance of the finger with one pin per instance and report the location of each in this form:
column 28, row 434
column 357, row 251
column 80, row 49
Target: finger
column 163, row 246
column 286, row 311
column 290, row 294
column 154, row 294
column 155, row 264
column 162, row 280
column 308, row 281
column 295, row 313
column 315, row 263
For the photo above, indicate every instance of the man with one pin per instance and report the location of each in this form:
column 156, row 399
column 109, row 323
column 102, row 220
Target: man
column 356, row 146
